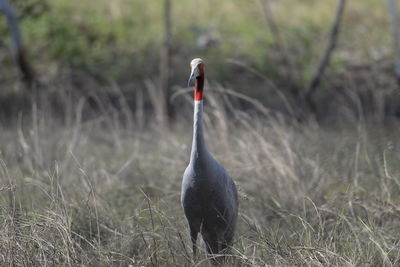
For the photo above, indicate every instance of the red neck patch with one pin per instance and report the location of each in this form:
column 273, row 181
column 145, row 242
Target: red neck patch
column 199, row 84
column 198, row 94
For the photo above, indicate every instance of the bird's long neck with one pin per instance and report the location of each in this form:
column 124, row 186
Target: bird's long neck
column 198, row 144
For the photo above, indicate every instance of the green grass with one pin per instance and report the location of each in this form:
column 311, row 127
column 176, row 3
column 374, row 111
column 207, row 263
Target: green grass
column 105, row 193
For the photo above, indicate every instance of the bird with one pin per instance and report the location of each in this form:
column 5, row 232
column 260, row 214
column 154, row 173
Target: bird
column 209, row 196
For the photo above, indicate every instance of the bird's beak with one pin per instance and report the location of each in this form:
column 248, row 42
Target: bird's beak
column 195, row 73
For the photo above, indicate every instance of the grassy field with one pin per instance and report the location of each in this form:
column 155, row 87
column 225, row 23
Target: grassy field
column 105, row 191
column 89, row 178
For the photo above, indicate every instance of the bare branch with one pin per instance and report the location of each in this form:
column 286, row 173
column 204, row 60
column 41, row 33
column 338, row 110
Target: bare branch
column 165, row 61
column 325, row 60
column 396, row 35
column 17, row 48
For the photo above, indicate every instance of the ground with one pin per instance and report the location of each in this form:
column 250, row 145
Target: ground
column 106, row 191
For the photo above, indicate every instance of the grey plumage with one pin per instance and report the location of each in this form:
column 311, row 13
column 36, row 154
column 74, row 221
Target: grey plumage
column 209, row 196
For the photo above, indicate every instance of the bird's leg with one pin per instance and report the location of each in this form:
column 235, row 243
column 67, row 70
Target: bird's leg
column 193, row 236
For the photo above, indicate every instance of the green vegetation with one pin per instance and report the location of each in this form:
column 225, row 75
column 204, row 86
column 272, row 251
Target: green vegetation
column 124, row 33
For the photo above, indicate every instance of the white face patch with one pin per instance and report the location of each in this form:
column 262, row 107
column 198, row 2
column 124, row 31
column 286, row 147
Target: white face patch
column 195, row 62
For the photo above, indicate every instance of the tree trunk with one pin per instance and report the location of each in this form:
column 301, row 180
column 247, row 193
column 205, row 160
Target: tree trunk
column 396, row 36
column 325, row 60
column 17, row 45
column 165, row 64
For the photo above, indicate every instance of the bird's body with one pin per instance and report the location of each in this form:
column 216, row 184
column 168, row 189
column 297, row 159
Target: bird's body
column 209, row 196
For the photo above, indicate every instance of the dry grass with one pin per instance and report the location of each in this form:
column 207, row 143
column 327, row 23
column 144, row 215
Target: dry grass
column 104, row 192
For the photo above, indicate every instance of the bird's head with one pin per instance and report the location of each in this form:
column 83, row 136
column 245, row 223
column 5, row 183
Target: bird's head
column 197, row 70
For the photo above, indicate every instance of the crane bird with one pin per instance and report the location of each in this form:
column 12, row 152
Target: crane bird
column 209, row 196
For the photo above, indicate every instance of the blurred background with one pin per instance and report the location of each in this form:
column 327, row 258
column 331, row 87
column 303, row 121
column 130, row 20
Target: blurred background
column 329, row 59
